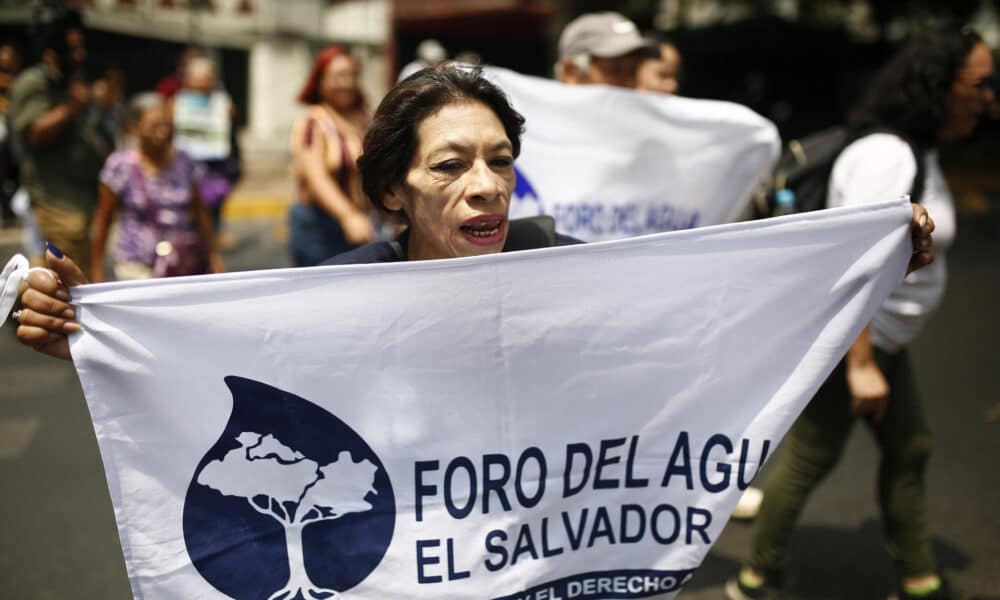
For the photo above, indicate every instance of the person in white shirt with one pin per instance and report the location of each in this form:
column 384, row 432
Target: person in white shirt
column 934, row 89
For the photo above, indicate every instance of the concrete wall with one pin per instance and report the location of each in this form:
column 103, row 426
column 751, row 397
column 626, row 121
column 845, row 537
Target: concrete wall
column 277, row 69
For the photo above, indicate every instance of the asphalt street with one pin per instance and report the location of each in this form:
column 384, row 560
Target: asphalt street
column 58, row 537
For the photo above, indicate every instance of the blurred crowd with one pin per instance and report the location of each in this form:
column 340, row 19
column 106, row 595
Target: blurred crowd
column 84, row 168
column 79, row 157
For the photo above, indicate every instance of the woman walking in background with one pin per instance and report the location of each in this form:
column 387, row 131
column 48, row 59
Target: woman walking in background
column 331, row 215
column 934, row 90
column 165, row 228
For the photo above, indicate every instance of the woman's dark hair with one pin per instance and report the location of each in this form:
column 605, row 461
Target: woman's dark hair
column 911, row 94
column 391, row 138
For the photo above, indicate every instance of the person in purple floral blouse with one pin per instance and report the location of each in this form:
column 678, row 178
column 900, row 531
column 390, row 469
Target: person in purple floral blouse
column 165, row 229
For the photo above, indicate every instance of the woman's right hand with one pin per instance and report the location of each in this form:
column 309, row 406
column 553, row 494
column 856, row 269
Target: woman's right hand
column 46, row 315
column 869, row 390
column 358, row 229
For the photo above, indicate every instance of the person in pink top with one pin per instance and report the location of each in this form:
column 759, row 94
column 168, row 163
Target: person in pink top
column 165, row 229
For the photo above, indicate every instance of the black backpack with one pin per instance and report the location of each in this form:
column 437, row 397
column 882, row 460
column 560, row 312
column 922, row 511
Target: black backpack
column 801, row 179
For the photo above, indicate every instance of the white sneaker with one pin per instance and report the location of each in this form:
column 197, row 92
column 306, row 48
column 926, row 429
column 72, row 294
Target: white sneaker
column 749, row 504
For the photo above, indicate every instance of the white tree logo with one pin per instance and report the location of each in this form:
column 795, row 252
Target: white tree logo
column 296, row 491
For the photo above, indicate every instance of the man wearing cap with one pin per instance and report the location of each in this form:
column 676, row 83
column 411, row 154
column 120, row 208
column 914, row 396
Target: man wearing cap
column 602, row 47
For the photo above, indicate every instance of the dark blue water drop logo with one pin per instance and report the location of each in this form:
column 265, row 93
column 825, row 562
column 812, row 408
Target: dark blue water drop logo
column 290, row 503
column 525, row 196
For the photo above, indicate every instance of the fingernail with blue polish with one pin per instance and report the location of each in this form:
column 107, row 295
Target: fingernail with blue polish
column 56, row 251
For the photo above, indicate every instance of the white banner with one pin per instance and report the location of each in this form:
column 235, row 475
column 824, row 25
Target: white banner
column 573, row 422
column 609, row 163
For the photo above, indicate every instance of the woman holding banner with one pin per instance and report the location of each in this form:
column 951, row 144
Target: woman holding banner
column 438, row 156
column 933, row 90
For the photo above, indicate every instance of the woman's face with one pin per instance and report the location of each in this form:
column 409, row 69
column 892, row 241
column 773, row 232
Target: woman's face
column 339, row 86
column 971, row 94
column 155, row 129
column 457, row 190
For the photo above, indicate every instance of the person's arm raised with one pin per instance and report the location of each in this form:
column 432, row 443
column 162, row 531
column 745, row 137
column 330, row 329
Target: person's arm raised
column 46, row 315
column 50, row 125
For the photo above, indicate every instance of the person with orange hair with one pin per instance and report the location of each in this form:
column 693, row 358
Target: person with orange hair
column 331, row 215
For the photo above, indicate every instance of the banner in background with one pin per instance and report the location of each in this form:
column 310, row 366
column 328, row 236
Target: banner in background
column 572, row 422
column 610, row 163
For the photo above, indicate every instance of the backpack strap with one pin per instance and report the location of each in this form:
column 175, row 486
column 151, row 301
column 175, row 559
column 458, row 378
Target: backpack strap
column 530, row 232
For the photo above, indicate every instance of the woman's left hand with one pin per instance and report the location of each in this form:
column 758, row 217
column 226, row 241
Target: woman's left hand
column 921, row 226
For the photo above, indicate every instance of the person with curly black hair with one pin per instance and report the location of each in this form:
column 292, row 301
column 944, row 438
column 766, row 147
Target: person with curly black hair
column 934, row 89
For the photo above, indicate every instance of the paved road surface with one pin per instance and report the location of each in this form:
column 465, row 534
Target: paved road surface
column 58, row 539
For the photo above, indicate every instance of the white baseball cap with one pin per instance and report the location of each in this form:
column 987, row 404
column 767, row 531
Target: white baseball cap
column 602, row 34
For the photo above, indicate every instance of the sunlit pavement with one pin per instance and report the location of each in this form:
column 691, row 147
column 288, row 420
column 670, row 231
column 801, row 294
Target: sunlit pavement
column 58, row 538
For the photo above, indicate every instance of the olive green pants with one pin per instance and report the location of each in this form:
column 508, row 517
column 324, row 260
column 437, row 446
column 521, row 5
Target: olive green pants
column 814, row 445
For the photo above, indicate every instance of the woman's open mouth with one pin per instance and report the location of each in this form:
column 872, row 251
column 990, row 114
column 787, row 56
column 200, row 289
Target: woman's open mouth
column 485, row 230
